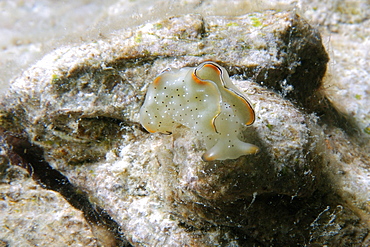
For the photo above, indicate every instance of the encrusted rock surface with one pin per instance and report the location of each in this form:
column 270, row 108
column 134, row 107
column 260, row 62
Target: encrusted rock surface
column 103, row 83
column 81, row 104
column 30, row 214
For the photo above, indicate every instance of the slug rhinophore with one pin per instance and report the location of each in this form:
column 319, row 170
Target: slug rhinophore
column 205, row 100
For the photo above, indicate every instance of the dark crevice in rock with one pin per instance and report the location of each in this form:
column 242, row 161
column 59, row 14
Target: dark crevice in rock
column 29, row 156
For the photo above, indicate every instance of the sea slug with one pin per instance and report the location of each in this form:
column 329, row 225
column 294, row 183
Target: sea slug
column 205, row 100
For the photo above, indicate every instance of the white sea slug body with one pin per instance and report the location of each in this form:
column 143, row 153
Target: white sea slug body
column 205, row 100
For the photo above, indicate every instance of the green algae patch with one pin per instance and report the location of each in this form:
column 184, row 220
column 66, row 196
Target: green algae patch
column 256, row 22
column 367, row 130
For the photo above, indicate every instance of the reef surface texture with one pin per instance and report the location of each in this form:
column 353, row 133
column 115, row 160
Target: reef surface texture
column 308, row 185
column 31, row 215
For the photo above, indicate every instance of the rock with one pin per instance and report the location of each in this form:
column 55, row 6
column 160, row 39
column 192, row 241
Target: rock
column 103, row 83
column 81, row 104
column 18, row 152
column 32, row 215
column 343, row 101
